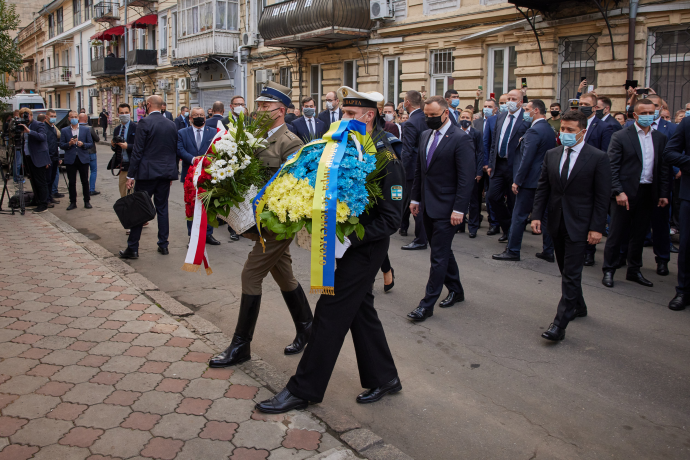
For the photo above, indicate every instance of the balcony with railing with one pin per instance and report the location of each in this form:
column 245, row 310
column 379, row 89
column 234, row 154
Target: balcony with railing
column 207, row 43
column 149, row 4
column 107, row 66
column 32, row 28
column 106, row 12
column 306, row 23
column 141, row 60
column 57, row 77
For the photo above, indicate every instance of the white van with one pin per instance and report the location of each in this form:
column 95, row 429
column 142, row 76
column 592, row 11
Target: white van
column 21, row 100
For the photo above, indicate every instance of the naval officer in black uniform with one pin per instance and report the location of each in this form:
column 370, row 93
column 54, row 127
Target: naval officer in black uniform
column 352, row 306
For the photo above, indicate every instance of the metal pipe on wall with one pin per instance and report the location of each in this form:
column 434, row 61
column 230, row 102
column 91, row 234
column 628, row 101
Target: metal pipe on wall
column 631, row 38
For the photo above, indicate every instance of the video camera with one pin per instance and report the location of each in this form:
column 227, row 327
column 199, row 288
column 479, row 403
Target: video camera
column 18, row 128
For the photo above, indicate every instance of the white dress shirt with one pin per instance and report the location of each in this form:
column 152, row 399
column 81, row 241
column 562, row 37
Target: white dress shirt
column 200, row 133
column 574, row 153
column 590, row 120
column 517, row 116
column 273, row 131
column 655, row 123
column 647, row 155
column 334, row 115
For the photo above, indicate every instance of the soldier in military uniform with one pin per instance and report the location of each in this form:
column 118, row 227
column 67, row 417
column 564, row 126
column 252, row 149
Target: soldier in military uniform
column 352, row 306
column 275, row 258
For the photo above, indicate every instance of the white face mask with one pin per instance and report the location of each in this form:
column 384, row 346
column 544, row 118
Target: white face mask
column 238, row 110
column 329, row 105
column 389, row 117
column 358, row 119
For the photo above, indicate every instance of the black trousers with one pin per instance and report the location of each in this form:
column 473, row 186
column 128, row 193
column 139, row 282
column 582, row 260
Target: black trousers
column 351, row 308
column 501, row 194
column 419, row 232
column 444, row 269
column 159, row 189
column 633, row 222
column 570, row 258
column 105, row 134
column 676, row 202
column 386, row 265
column 39, row 182
column 683, row 286
column 475, row 211
column 83, row 170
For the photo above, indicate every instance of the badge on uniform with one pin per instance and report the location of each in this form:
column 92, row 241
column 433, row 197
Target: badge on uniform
column 397, row 193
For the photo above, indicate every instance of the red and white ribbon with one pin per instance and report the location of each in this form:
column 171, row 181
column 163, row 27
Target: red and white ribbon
column 196, row 253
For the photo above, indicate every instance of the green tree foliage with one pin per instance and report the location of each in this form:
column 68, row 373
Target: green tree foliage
column 10, row 57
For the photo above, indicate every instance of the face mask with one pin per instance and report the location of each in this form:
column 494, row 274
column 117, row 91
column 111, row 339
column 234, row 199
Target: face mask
column 512, row 106
column 124, row 118
column 53, row 120
column 465, row 124
column 627, row 108
column 389, row 117
column 329, row 105
column 656, row 114
column 555, row 113
column 600, row 114
column 434, row 122
column 199, row 121
column 527, row 117
column 74, row 121
column 454, row 103
column 503, row 107
column 586, row 111
column 645, row 120
column 353, row 119
column 569, row 139
column 238, row 110
column 687, row 113
column 186, row 114
column 488, row 112
column 309, row 112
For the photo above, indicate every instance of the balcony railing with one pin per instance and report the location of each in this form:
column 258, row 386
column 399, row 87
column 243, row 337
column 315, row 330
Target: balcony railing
column 57, row 76
column 142, row 58
column 207, row 43
column 106, row 12
column 141, row 3
column 304, row 23
column 107, row 66
column 31, row 29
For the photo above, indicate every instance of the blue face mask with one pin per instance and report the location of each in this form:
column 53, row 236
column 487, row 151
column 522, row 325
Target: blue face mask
column 74, row 121
column 627, row 108
column 569, row 139
column 656, row 114
column 687, row 113
column 454, row 103
column 488, row 112
column 512, row 106
column 527, row 117
column 645, row 120
column 53, row 120
column 503, row 107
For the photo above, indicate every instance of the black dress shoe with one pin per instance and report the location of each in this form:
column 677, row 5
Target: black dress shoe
column 414, row 246
column 461, row 229
column 388, row 287
column 54, row 201
column 211, row 240
column 375, row 394
column 674, row 249
column 589, row 260
column 129, row 254
column 72, row 206
column 554, row 333
column 607, row 280
column 403, row 232
column 662, row 268
column 473, row 234
column 503, row 238
column 452, row 299
column 281, row 403
column 505, row 255
column 87, row 205
column 493, row 231
column 420, row 314
column 639, row 279
column 163, row 251
column 94, row 193
column 233, row 235
column 679, row 302
column 58, row 195
column 49, row 205
column 580, row 313
column 546, row 257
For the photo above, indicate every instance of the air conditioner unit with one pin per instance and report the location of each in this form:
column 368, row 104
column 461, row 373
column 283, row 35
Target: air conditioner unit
column 115, row 89
column 93, row 92
column 164, row 84
column 183, row 84
column 264, row 75
column 132, row 89
column 250, row 39
column 380, row 10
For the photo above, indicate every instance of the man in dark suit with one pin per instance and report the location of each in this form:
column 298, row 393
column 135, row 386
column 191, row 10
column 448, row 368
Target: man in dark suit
column 488, row 127
column 453, row 99
column 510, row 127
column 538, row 139
column 53, row 149
column 165, row 112
column 414, row 127
column 182, row 121
column 598, row 136
column 103, row 123
column 37, row 157
column 604, row 113
column 574, row 186
column 127, row 130
column 153, row 165
column 193, row 142
column 217, row 111
column 443, row 182
column 290, row 116
column 76, row 141
column 475, row 214
column 640, row 180
column 308, row 127
column 332, row 112
column 677, row 153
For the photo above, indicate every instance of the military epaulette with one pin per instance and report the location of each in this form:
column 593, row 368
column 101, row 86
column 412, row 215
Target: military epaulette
column 291, row 135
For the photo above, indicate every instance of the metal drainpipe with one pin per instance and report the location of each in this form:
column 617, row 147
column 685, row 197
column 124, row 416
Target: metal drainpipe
column 81, row 58
column 243, row 74
column 126, row 46
column 631, row 38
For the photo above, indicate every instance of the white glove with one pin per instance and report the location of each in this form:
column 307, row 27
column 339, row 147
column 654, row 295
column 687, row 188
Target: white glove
column 340, row 248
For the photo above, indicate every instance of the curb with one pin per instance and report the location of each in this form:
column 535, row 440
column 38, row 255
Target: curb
column 343, row 427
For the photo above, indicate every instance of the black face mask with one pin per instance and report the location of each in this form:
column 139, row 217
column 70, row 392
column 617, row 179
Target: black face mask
column 555, row 113
column 586, row 111
column 199, row 121
column 465, row 124
column 433, row 122
column 600, row 114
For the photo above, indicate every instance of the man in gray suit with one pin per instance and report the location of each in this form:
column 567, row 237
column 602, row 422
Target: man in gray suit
column 37, row 157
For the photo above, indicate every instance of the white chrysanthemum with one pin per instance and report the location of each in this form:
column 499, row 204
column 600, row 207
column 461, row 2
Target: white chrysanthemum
column 222, row 174
column 214, row 181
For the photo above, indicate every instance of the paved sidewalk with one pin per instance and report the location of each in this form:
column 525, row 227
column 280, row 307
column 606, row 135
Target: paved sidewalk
column 91, row 368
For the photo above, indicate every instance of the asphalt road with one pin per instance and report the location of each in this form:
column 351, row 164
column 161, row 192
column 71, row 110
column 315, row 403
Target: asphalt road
column 478, row 381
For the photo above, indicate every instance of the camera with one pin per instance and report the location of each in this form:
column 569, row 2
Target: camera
column 117, row 140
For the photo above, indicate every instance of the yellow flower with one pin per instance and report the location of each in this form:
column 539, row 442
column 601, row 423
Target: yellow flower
column 342, row 212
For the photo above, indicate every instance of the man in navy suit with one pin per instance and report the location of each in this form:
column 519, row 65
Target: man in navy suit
column 333, row 112
column 182, row 121
column 414, row 127
column 165, row 112
column 604, row 113
column 510, row 127
column 475, row 209
column 453, row 100
column 76, row 141
column 193, row 142
column 153, row 165
column 308, row 127
column 443, row 182
column 538, row 139
column 37, row 157
column 217, row 111
column 485, row 125
column 127, row 130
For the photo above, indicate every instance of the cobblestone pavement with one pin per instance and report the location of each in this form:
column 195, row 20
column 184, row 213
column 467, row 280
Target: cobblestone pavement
column 90, row 368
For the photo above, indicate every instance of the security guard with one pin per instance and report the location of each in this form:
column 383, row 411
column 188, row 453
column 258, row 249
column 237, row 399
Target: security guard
column 275, row 258
column 352, row 306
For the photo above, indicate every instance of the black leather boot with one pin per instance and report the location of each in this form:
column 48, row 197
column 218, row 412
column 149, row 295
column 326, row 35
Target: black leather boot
column 239, row 351
column 301, row 314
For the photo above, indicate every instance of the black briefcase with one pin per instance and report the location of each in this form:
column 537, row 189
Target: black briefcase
column 134, row 209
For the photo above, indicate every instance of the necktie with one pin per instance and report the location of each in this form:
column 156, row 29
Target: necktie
column 503, row 152
column 432, row 149
column 125, row 132
column 311, row 128
column 566, row 166
column 198, row 139
column 332, row 117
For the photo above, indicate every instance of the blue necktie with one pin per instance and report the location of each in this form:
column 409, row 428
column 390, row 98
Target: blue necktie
column 506, row 137
column 332, row 117
column 432, row 149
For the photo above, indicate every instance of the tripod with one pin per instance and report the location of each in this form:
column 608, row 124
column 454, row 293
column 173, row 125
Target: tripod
column 13, row 169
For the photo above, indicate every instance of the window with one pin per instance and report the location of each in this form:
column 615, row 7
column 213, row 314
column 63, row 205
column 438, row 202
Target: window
column 173, row 25
column 391, row 76
column 78, row 101
column 76, row 12
column 88, row 9
column 227, row 15
column 350, row 74
column 577, row 58
column 58, row 20
column 163, row 40
column 51, row 25
column 502, row 65
column 440, row 6
column 90, row 104
column 315, row 79
column 442, row 66
column 668, row 66
column 65, row 58
column 286, row 77
column 205, row 16
column 77, row 59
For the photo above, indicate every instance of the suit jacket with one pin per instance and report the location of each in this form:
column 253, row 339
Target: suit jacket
column 677, row 153
column 625, row 155
column 186, row 146
column 53, row 142
column 479, row 126
column 155, row 149
column 533, row 146
column 599, row 134
column 181, row 122
column 447, row 183
column 413, row 129
column 614, row 123
column 325, row 116
column 520, row 126
column 213, row 121
column 299, row 127
column 667, row 128
column 583, row 202
column 454, row 115
column 168, row 115
column 290, row 117
column 478, row 144
column 488, row 135
column 95, row 138
column 38, row 144
column 131, row 133
column 71, row 153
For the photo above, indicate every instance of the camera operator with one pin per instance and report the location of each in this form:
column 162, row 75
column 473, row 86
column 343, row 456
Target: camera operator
column 76, row 141
column 14, row 142
column 38, row 158
column 123, row 143
column 53, row 138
